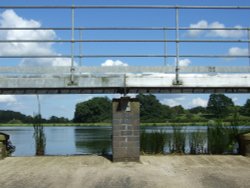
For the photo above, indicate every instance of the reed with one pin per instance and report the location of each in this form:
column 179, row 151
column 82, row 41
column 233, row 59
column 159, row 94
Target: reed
column 197, row 142
column 153, row 142
column 39, row 136
column 178, row 140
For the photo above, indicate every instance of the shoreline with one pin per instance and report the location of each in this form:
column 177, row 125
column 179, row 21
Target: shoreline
column 110, row 124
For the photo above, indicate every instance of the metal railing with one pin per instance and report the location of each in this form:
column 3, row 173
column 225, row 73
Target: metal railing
column 177, row 40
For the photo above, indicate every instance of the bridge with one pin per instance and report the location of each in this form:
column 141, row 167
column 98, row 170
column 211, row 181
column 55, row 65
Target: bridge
column 85, row 80
column 173, row 42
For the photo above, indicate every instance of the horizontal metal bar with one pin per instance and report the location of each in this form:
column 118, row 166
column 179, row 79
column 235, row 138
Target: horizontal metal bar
column 124, row 7
column 122, row 90
column 119, row 28
column 118, row 40
column 109, row 70
column 125, row 55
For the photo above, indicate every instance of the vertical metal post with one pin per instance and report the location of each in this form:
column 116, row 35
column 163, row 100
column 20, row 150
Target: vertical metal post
column 72, row 69
column 177, row 81
column 39, row 105
column 165, row 47
column 248, row 45
column 125, row 86
column 80, row 47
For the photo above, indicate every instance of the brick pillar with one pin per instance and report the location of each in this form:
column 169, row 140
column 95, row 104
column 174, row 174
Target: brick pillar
column 3, row 151
column 126, row 130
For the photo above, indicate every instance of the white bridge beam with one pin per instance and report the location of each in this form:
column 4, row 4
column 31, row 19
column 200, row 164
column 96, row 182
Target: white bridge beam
column 31, row 80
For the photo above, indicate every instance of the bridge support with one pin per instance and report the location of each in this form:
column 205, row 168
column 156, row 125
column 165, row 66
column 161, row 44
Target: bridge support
column 3, row 149
column 126, row 130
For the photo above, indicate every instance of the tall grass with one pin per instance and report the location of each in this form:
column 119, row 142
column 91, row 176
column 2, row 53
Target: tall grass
column 178, row 140
column 39, row 136
column 153, row 142
column 217, row 137
column 223, row 139
column 197, row 142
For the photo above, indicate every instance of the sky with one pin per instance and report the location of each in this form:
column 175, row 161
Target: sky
column 64, row 105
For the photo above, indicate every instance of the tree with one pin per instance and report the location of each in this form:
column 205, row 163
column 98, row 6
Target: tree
column 219, row 105
column 177, row 110
column 98, row 109
column 245, row 110
column 8, row 115
column 151, row 110
column 198, row 110
column 54, row 119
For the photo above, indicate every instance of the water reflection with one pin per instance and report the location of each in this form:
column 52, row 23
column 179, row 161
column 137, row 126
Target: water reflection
column 91, row 140
column 97, row 140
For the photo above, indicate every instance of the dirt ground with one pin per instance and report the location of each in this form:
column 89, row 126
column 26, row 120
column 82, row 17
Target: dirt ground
column 99, row 172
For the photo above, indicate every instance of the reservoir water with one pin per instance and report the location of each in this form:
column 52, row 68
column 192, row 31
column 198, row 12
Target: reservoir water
column 87, row 140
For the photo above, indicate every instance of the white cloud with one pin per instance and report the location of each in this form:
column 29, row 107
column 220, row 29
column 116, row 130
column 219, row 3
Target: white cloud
column 7, row 99
column 225, row 33
column 46, row 62
column 173, row 101
column 234, row 51
column 199, row 102
column 9, row 18
column 109, row 63
column 115, row 96
column 215, row 33
column 184, row 62
column 200, row 24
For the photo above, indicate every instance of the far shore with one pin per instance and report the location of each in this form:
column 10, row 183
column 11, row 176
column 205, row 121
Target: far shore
column 110, row 124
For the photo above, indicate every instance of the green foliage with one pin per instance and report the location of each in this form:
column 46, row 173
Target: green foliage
column 197, row 141
column 54, row 119
column 7, row 115
column 151, row 110
column 178, row 140
column 197, row 110
column 177, row 111
column 98, row 109
column 216, row 137
column 245, row 110
column 39, row 136
column 219, row 105
column 15, row 121
column 222, row 139
column 153, row 142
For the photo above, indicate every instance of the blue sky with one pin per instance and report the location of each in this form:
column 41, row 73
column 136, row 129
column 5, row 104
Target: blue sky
column 63, row 105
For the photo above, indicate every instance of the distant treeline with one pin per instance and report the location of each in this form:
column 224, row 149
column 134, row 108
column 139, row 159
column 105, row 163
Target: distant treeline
column 99, row 109
column 11, row 117
column 219, row 106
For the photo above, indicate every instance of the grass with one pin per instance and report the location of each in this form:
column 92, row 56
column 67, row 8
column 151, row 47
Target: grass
column 153, row 143
column 39, row 136
column 197, row 141
column 109, row 124
column 56, row 124
column 178, row 140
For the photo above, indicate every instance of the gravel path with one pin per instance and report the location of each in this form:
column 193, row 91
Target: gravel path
column 152, row 171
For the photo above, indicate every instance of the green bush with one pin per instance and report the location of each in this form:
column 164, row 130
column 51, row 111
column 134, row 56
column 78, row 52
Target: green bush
column 15, row 121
